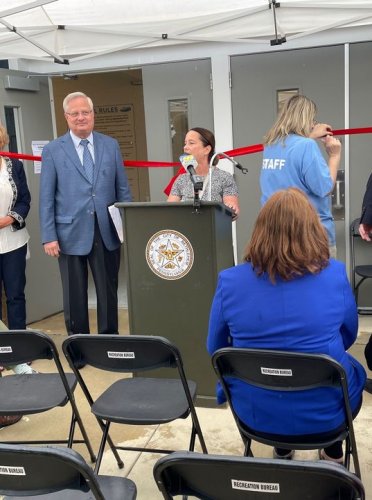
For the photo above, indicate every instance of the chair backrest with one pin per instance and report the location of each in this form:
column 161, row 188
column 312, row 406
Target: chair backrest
column 21, row 346
column 218, row 477
column 31, row 470
column 126, row 354
column 122, row 353
column 283, row 371
column 278, row 370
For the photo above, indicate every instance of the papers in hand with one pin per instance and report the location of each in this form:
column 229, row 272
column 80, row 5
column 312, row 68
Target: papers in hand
column 116, row 219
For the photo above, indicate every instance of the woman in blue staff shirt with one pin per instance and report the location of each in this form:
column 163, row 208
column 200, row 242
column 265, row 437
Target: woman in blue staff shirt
column 292, row 158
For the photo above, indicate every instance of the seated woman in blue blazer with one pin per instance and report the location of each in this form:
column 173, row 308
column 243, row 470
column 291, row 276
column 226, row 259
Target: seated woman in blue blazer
column 288, row 295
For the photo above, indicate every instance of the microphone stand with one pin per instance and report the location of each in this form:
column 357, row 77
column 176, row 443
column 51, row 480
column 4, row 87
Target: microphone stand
column 197, row 183
column 197, row 203
column 231, row 160
column 198, row 186
column 234, row 162
column 210, row 175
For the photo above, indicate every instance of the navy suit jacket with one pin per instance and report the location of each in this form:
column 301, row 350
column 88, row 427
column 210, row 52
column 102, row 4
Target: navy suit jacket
column 366, row 217
column 21, row 195
column 315, row 313
column 68, row 201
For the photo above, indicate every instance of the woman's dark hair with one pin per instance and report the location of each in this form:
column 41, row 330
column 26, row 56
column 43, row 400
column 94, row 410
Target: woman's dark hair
column 207, row 138
column 288, row 239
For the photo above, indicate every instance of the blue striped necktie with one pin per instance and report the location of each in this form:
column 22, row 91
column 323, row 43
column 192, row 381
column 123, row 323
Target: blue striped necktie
column 88, row 162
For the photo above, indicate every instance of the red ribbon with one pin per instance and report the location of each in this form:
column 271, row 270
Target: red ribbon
column 128, row 163
column 257, row 148
column 246, row 150
column 352, row 131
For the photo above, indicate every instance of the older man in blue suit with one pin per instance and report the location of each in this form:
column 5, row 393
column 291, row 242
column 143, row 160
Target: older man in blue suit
column 82, row 174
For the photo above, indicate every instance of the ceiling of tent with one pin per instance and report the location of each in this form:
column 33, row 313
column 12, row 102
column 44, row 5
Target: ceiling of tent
column 67, row 31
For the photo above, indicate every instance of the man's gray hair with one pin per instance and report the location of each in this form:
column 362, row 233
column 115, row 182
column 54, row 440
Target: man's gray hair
column 75, row 95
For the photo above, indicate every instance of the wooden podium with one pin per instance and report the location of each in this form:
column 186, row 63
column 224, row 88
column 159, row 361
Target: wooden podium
column 173, row 254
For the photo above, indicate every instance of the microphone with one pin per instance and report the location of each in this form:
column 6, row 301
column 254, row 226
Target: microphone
column 234, row 162
column 189, row 164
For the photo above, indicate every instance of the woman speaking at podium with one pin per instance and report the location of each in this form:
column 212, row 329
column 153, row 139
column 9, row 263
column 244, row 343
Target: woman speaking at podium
column 218, row 185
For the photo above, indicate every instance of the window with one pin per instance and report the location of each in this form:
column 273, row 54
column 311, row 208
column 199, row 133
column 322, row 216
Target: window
column 283, row 95
column 12, row 126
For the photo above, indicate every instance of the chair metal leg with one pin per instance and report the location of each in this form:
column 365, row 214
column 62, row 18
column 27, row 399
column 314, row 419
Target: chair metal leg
column 196, row 426
column 102, row 447
column 202, row 442
column 71, row 431
column 76, row 414
column 247, row 448
column 354, row 453
column 106, row 437
column 111, row 444
column 192, row 439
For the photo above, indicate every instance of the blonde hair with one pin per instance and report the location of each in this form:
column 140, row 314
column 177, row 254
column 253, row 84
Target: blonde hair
column 296, row 117
column 288, row 238
column 4, row 137
column 75, row 95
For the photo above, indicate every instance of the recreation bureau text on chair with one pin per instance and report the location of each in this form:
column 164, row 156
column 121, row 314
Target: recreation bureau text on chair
column 219, row 477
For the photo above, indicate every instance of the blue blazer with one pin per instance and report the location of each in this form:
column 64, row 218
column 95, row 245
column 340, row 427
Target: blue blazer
column 315, row 314
column 68, row 201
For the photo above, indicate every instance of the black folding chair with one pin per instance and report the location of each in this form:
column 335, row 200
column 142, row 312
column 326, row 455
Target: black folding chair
column 287, row 371
column 38, row 392
column 218, row 477
column 138, row 400
column 362, row 271
column 56, row 474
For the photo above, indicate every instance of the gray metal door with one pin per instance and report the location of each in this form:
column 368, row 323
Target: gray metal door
column 318, row 73
column 43, row 288
column 163, row 83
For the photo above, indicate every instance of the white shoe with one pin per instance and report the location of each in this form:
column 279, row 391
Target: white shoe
column 323, row 456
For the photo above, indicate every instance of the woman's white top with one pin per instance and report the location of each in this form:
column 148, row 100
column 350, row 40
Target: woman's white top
column 9, row 239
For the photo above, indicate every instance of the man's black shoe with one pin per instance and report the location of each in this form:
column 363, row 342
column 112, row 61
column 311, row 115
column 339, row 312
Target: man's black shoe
column 368, row 386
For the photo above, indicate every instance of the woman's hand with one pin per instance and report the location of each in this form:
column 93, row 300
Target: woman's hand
column 233, row 203
column 320, row 130
column 6, row 221
column 365, row 231
column 172, row 198
column 332, row 146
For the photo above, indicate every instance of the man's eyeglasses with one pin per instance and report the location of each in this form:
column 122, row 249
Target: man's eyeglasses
column 78, row 113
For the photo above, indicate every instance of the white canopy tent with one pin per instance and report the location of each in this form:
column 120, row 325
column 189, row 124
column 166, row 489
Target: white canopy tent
column 69, row 32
